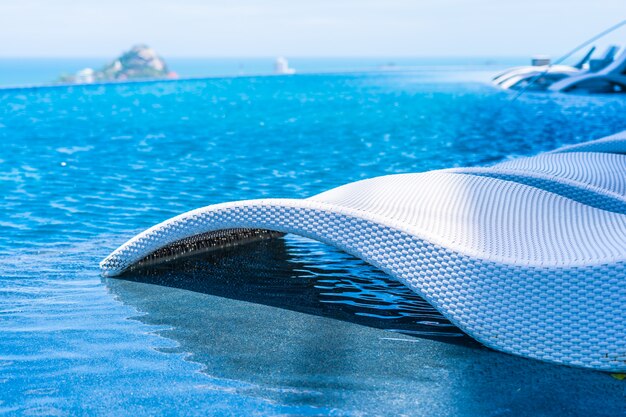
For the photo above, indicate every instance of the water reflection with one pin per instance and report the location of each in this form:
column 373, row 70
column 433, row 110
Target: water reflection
column 301, row 275
column 305, row 324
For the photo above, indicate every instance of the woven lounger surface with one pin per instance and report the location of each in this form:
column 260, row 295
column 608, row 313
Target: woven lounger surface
column 601, row 170
column 592, row 178
column 522, row 269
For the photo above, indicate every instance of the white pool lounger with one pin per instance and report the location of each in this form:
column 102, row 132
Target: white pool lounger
column 528, row 257
column 592, row 178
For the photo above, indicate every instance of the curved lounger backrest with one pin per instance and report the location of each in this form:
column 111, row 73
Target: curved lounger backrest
column 594, row 179
column 580, row 64
column 523, row 269
column 611, row 144
column 605, row 59
column 617, row 66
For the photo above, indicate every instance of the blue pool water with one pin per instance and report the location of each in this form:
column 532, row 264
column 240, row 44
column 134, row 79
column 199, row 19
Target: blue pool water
column 285, row 327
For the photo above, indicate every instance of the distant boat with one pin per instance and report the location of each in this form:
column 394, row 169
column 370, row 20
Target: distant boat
column 281, row 67
column 602, row 74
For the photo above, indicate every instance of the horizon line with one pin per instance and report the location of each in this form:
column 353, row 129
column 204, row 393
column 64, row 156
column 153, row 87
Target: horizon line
column 439, row 56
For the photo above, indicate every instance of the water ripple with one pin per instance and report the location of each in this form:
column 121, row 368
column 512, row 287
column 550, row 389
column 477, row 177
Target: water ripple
column 83, row 168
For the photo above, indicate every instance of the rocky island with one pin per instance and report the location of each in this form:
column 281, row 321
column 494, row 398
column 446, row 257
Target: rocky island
column 140, row 62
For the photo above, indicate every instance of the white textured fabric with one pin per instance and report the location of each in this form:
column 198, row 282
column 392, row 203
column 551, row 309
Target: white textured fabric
column 613, row 144
column 602, row 170
column 591, row 178
column 523, row 269
column 489, row 218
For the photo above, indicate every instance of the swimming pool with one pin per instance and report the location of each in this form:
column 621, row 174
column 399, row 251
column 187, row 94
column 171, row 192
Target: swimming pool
column 286, row 327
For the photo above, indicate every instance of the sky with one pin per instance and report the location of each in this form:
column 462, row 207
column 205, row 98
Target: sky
column 313, row 28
